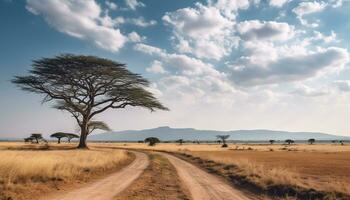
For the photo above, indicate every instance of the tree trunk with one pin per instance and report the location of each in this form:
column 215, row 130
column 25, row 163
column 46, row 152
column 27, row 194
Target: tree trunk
column 59, row 141
column 83, row 136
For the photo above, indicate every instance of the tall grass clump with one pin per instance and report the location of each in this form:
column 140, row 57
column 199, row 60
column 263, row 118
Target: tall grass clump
column 41, row 166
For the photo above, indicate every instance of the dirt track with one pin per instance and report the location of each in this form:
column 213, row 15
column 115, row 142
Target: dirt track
column 109, row 187
column 202, row 185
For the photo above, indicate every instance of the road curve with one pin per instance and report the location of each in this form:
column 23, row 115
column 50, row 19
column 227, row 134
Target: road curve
column 110, row 186
column 202, row 185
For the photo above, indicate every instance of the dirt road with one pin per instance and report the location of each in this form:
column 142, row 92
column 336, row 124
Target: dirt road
column 202, row 185
column 109, row 187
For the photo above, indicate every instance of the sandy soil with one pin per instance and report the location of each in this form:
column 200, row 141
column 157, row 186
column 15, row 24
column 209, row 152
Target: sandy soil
column 158, row 182
column 202, row 185
column 109, row 187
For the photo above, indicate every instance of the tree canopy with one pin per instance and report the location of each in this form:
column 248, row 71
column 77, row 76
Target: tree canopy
column 60, row 135
column 312, row 140
column 97, row 125
column 152, row 141
column 289, row 141
column 223, row 138
column 86, row 86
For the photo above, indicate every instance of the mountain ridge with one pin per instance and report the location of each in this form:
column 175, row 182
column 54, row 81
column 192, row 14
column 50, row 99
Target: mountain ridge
column 167, row 133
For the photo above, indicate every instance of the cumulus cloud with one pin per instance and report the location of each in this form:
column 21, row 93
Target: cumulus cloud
column 140, row 21
column 183, row 63
column 111, row 5
column 134, row 37
column 134, row 4
column 277, row 3
column 318, row 36
column 337, row 3
column 290, row 68
column 307, row 91
column 202, row 31
column 81, row 19
column 306, row 8
column 342, row 85
column 265, row 30
column 156, row 68
column 186, row 76
column 229, row 8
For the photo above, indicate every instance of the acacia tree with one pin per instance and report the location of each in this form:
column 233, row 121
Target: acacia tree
column 152, row 141
column 97, row 125
column 289, row 141
column 311, row 141
column 223, row 138
column 36, row 137
column 70, row 136
column 86, row 86
column 59, row 135
column 272, row 141
column 180, row 141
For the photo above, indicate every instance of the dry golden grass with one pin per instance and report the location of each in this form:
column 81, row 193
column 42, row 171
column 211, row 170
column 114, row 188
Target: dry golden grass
column 324, row 167
column 215, row 147
column 317, row 170
column 24, row 166
column 23, row 169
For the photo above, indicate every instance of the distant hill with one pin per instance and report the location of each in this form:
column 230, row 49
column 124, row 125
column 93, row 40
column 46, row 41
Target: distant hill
column 167, row 133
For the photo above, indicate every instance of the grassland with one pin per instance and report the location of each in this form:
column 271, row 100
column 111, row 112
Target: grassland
column 321, row 167
column 25, row 169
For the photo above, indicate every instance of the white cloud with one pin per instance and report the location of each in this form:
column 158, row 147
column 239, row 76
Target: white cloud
column 156, row 68
column 318, row 36
column 111, row 5
column 337, row 3
column 142, row 22
column 306, row 8
column 185, row 76
column 134, row 37
column 203, row 31
column 265, row 30
column 148, row 49
column 277, row 3
column 229, row 8
column 134, row 4
column 81, row 19
column 306, row 91
column 290, row 68
column 182, row 63
column 342, row 85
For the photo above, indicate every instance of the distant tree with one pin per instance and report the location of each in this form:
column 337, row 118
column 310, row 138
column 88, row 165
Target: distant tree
column 272, row 141
column 334, row 141
column 28, row 139
column 37, row 137
column 223, row 138
column 180, row 141
column 59, row 135
column 311, row 141
column 86, row 86
column 70, row 136
column 218, row 141
column 289, row 141
column 341, row 142
column 152, row 141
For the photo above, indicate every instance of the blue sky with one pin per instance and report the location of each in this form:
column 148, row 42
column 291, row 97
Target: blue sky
column 218, row 64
